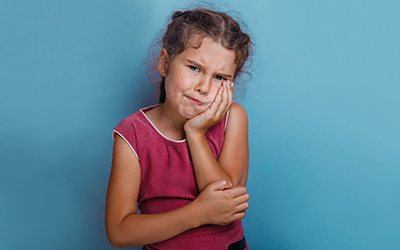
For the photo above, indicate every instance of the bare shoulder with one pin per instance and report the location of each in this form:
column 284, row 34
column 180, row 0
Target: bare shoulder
column 238, row 108
column 237, row 114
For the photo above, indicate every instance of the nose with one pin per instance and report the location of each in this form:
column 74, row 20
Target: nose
column 203, row 87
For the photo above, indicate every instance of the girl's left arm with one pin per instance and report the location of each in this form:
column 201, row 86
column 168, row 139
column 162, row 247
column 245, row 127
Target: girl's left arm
column 233, row 162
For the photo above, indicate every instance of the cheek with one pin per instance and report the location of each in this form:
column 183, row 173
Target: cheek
column 173, row 91
column 178, row 86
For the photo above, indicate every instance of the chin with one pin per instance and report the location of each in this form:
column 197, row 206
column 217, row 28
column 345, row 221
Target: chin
column 189, row 112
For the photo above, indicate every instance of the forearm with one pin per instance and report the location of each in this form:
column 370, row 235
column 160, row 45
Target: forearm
column 142, row 229
column 207, row 168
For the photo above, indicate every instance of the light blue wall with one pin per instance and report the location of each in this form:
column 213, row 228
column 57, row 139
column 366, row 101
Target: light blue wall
column 323, row 107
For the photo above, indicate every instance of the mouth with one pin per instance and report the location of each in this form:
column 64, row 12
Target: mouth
column 195, row 101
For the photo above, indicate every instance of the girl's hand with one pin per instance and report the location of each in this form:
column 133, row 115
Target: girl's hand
column 219, row 204
column 207, row 119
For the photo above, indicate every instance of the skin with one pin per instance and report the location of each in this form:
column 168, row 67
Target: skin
column 177, row 116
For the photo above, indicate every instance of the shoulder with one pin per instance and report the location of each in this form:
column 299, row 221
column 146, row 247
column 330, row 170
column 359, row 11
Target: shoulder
column 126, row 129
column 236, row 119
column 238, row 110
column 237, row 114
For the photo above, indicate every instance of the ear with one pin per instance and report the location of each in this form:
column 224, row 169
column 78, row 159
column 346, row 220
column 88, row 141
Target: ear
column 162, row 64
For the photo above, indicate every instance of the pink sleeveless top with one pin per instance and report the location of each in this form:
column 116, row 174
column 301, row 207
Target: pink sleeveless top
column 168, row 179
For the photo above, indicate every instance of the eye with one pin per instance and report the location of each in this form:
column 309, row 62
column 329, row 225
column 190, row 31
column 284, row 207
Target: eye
column 221, row 78
column 192, row 67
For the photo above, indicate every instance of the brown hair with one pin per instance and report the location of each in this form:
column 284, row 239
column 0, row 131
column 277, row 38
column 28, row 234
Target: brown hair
column 204, row 22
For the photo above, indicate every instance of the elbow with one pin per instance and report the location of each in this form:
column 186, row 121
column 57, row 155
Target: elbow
column 118, row 241
column 115, row 240
column 118, row 238
column 114, row 237
column 116, row 244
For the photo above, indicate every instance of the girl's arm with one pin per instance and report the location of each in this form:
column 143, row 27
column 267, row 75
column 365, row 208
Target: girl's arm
column 125, row 228
column 233, row 163
column 207, row 168
column 142, row 229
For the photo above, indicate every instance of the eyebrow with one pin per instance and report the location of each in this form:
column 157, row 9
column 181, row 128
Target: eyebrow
column 198, row 64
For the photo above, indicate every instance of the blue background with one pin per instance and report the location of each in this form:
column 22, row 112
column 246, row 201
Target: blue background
column 323, row 107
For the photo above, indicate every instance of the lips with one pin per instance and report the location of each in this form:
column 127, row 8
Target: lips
column 195, row 100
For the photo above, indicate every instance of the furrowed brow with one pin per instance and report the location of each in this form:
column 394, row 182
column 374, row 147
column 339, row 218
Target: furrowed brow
column 202, row 66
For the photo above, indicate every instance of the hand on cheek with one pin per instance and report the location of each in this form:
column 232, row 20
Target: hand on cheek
column 226, row 99
column 214, row 113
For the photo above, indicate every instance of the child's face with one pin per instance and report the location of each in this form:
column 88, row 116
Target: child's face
column 197, row 73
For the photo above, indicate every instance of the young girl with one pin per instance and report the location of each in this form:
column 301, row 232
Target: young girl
column 184, row 161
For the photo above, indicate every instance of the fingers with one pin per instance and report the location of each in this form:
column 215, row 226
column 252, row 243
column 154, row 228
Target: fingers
column 236, row 191
column 222, row 101
column 215, row 104
column 230, row 96
column 241, row 207
column 241, row 199
column 223, row 107
column 238, row 216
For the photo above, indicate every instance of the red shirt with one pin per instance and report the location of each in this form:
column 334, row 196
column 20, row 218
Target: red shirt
column 168, row 179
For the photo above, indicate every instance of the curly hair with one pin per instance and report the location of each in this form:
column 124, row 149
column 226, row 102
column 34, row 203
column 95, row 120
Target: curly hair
column 204, row 22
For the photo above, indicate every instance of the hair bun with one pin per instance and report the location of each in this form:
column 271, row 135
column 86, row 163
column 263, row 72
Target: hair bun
column 177, row 14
